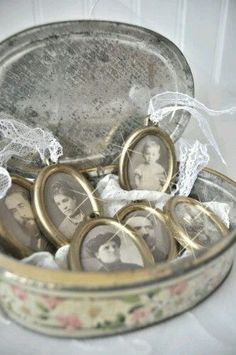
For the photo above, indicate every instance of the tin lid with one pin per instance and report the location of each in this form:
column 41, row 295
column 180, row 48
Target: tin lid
column 90, row 83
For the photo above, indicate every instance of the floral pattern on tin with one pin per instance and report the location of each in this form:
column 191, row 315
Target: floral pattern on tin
column 57, row 312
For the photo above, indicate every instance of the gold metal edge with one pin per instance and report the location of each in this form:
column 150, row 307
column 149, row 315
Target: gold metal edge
column 14, row 271
column 221, row 175
column 178, row 230
column 132, row 140
column 50, row 230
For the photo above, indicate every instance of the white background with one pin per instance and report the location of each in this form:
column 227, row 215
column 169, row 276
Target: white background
column 205, row 30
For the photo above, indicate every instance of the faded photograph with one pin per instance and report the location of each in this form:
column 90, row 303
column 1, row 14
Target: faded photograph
column 148, row 164
column 18, row 219
column 106, row 249
column 197, row 225
column 67, row 203
column 153, row 231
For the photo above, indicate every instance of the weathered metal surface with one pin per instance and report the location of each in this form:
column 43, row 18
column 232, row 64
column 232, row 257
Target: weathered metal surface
column 90, row 83
column 212, row 186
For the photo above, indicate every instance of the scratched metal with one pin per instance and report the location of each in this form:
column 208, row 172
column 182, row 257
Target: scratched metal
column 90, row 83
column 213, row 187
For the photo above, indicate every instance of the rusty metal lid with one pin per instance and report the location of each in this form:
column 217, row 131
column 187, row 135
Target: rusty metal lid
column 89, row 82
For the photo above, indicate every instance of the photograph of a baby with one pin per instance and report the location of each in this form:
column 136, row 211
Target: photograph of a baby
column 105, row 250
column 149, row 172
column 67, row 203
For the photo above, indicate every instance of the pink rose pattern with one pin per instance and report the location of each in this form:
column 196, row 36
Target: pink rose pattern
column 70, row 321
column 52, row 301
column 19, row 293
column 178, row 288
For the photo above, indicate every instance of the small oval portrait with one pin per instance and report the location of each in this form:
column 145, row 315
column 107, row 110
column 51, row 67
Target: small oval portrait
column 63, row 200
column 147, row 160
column 20, row 234
column 150, row 224
column 194, row 225
column 104, row 245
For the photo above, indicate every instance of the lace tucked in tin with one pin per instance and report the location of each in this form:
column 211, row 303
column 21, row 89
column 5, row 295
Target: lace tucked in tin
column 168, row 102
column 192, row 159
column 19, row 140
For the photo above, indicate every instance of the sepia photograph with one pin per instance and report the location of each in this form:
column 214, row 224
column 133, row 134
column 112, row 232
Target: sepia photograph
column 67, row 203
column 149, row 223
column 194, row 225
column 148, row 169
column 18, row 221
column 198, row 225
column 105, row 245
column 147, row 161
column 110, row 251
column 63, row 200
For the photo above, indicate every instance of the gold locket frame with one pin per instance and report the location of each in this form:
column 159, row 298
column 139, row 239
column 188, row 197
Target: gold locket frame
column 179, row 232
column 80, row 234
column 130, row 144
column 55, row 236
column 157, row 213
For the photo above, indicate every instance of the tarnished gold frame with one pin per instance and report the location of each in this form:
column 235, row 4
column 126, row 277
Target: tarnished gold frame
column 9, row 241
column 81, row 233
column 125, row 211
column 178, row 231
column 130, row 144
column 43, row 219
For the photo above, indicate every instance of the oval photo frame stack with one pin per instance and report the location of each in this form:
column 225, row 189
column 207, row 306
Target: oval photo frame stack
column 67, row 211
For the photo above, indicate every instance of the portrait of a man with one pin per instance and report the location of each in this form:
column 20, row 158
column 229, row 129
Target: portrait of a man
column 106, row 249
column 145, row 228
column 18, row 204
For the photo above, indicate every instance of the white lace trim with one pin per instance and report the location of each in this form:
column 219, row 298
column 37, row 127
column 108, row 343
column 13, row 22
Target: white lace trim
column 192, row 159
column 114, row 197
column 163, row 104
column 18, row 140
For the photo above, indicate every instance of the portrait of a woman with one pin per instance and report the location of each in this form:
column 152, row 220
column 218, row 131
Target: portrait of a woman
column 68, row 201
column 106, row 249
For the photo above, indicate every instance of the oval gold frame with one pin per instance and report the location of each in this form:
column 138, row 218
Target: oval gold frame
column 9, row 242
column 82, row 231
column 131, row 142
column 179, row 232
column 56, row 237
column 141, row 206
